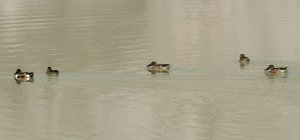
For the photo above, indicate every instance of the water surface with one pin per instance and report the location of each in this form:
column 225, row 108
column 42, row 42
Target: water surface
column 104, row 91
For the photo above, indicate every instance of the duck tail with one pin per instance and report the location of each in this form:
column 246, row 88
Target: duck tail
column 30, row 74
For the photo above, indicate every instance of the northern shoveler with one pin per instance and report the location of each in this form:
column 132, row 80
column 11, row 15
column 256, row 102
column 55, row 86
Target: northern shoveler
column 243, row 58
column 51, row 71
column 272, row 69
column 154, row 67
column 23, row 75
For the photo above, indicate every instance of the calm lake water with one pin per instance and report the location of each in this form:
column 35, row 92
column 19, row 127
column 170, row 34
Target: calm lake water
column 104, row 91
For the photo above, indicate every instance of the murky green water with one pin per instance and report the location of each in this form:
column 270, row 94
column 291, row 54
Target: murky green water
column 104, row 91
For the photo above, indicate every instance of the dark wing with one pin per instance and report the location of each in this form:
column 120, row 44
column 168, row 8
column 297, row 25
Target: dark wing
column 166, row 65
column 30, row 74
column 283, row 68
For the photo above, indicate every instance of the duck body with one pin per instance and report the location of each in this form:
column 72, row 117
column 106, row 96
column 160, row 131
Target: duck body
column 23, row 75
column 158, row 67
column 272, row 69
column 51, row 71
column 243, row 58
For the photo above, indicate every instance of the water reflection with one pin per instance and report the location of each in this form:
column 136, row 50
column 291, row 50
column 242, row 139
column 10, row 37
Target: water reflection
column 158, row 71
column 52, row 74
column 20, row 80
column 276, row 75
column 244, row 64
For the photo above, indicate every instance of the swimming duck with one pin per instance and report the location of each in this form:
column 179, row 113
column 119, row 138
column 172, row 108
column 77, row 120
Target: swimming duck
column 23, row 75
column 51, row 71
column 243, row 58
column 158, row 67
column 272, row 69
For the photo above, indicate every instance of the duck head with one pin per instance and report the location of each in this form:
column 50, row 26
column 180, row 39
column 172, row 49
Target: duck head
column 242, row 55
column 270, row 67
column 18, row 71
column 49, row 69
column 151, row 64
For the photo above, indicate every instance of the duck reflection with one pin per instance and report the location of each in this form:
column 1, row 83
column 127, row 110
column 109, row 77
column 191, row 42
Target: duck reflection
column 243, row 64
column 20, row 80
column 158, row 71
column 52, row 74
column 276, row 75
